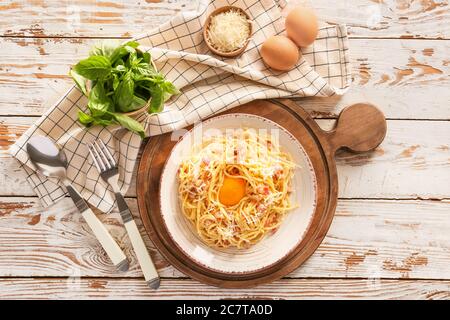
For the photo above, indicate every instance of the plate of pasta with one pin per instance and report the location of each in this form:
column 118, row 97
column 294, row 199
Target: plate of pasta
column 247, row 196
column 239, row 193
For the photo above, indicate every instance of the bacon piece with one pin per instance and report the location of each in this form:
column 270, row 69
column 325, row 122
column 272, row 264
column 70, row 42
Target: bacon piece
column 263, row 189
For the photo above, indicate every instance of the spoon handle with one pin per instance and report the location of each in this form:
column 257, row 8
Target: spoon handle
column 108, row 243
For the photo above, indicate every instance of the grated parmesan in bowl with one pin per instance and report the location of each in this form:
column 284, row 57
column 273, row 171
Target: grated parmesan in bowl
column 227, row 31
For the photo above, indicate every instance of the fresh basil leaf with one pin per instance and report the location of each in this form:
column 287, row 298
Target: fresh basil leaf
column 89, row 120
column 79, row 81
column 116, row 82
column 152, row 81
column 169, row 87
column 112, row 49
column 93, row 68
column 142, row 93
column 118, row 54
column 157, row 101
column 85, row 118
column 132, row 43
column 105, row 48
column 139, row 77
column 167, row 96
column 104, row 122
column 121, row 68
column 99, row 103
column 144, row 69
column 137, row 103
column 119, row 62
column 130, row 49
column 146, row 57
column 97, row 109
column 124, row 93
column 158, row 78
column 145, row 81
column 133, row 59
column 128, row 52
column 96, row 51
column 130, row 124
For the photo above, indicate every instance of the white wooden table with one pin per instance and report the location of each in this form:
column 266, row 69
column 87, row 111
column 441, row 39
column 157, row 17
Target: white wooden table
column 390, row 237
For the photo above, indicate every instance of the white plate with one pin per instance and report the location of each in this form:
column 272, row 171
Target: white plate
column 270, row 249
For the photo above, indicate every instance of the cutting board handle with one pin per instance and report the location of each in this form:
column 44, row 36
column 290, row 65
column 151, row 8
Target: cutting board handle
column 360, row 128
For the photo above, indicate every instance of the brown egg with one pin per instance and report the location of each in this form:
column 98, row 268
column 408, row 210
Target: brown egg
column 301, row 26
column 280, row 53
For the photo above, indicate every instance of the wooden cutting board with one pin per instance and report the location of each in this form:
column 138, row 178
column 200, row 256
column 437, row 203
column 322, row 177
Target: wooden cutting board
column 360, row 128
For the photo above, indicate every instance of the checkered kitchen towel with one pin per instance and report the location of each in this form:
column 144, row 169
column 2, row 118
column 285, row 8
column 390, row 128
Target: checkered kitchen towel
column 208, row 84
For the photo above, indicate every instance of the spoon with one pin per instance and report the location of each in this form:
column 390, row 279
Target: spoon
column 51, row 161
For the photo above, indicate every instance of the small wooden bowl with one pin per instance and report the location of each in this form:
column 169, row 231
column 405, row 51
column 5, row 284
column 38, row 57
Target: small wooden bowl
column 230, row 54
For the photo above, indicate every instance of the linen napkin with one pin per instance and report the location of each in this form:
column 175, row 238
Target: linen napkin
column 209, row 84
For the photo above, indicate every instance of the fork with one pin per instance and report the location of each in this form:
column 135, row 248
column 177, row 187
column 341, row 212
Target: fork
column 109, row 172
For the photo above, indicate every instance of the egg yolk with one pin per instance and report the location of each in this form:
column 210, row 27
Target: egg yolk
column 232, row 191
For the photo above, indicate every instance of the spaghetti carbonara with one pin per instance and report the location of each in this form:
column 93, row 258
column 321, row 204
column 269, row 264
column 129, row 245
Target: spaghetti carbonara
column 234, row 188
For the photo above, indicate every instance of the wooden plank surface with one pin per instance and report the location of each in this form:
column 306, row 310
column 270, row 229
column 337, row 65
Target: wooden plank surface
column 389, row 238
column 367, row 239
column 33, row 75
column 366, row 18
column 406, row 165
column 175, row 289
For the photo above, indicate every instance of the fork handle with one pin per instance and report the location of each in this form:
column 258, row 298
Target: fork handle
column 108, row 243
column 145, row 261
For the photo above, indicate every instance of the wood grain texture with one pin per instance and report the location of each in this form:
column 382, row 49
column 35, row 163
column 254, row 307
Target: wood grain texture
column 367, row 239
column 86, row 18
column 407, row 78
column 387, row 239
column 33, row 75
column 404, row 19
column 57, row 242
column 412, row 162
column 365, row 18
column 176, row 289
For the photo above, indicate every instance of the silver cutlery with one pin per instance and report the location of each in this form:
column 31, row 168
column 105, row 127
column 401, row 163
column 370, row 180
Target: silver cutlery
column 51, row 161
column 109, row 172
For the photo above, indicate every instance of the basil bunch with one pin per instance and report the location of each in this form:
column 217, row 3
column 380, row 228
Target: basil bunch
column 122, row 79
